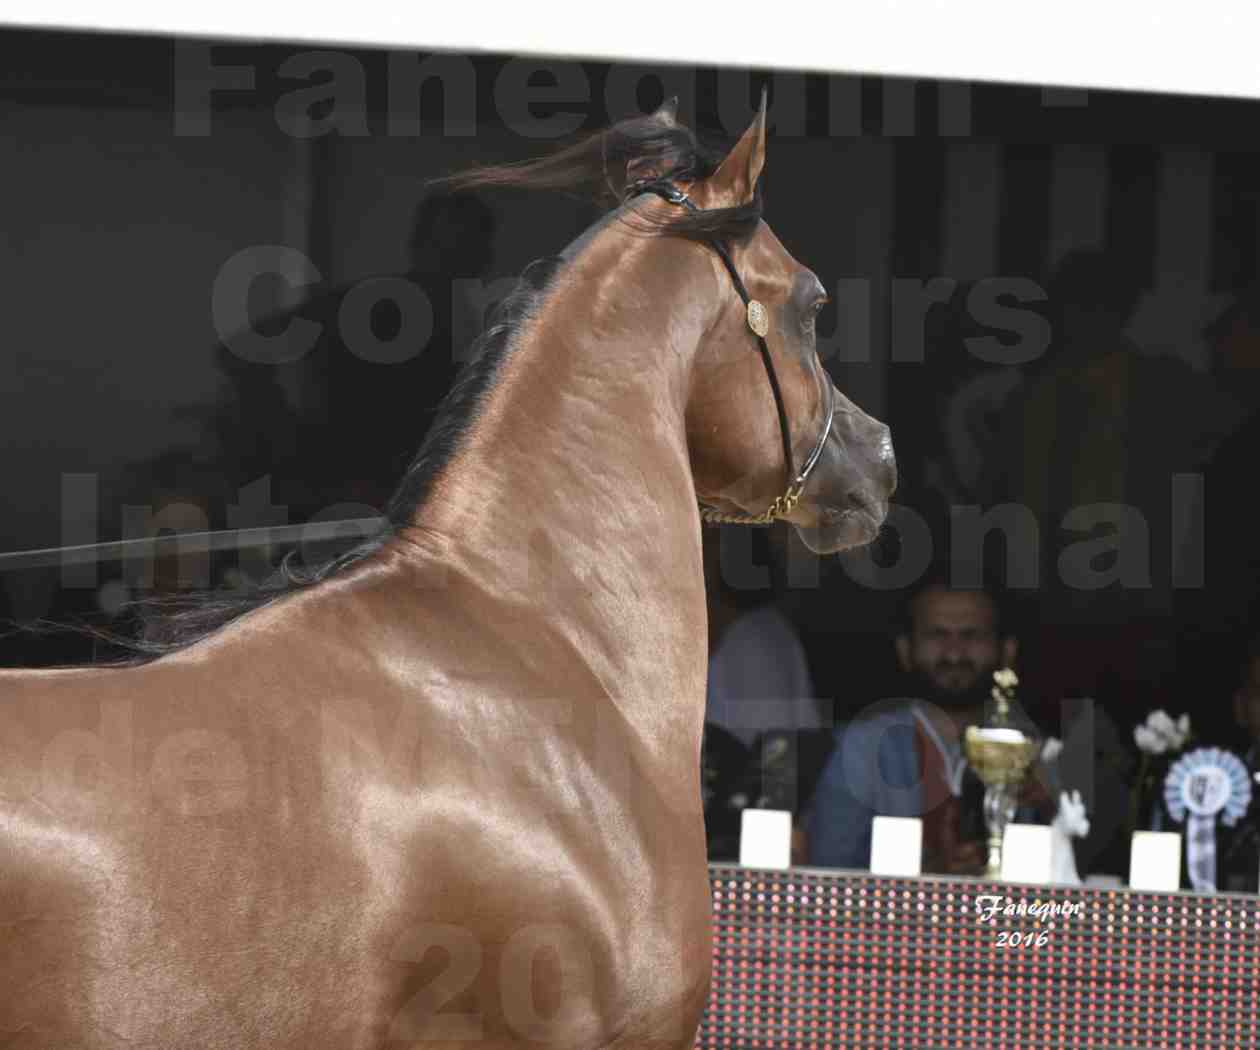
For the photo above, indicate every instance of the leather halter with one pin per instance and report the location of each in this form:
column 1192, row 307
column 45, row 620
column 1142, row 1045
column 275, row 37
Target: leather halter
column 759, row 322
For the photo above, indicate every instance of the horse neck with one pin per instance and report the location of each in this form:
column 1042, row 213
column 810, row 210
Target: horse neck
column 574, row 486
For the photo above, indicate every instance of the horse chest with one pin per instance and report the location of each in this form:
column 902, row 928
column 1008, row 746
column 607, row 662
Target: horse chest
column 571, row 964
column 574, row 906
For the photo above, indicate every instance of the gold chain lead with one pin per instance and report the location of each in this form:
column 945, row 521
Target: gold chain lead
column 781, row 507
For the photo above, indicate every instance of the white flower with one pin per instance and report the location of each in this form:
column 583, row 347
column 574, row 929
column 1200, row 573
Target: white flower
column 1183, row 729
column 1172, row 735
column 1051, row 748
column 1161, row 722
column 1149, row 741
column 1005, row 677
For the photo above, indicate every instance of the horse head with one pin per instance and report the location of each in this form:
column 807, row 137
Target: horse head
column 763, row 425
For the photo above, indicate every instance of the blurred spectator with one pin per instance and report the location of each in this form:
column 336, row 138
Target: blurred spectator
column 960, row 405
column 342, row 421
column 725, row 770
column 758, row 675
column 1097, row 760
column 338, row 425
column 1247, row 705
column 760, row 697
column 1213, row 619
column 904, row 757
column 1239, row 847
column 1100, row 428
column 287, row 440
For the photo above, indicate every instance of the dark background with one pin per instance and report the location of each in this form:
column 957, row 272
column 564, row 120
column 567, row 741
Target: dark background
column 126, row 195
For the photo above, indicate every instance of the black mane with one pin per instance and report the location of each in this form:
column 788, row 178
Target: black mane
column 459, row 409
column 604, row 165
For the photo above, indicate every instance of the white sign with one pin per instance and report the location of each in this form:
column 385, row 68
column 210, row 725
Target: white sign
column 896, row 846
column 1028, row 854
column 1155, row 861
column 765, row 838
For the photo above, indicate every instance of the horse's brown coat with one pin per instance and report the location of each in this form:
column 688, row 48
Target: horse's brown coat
column 449, row 797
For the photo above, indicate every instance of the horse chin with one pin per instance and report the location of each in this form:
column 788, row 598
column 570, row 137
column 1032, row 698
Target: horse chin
column 833, row 534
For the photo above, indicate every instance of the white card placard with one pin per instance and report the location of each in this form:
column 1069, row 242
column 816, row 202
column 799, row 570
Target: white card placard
column 1028, row 854
column 896, row 846
column 765, row 838
column 1155, row 861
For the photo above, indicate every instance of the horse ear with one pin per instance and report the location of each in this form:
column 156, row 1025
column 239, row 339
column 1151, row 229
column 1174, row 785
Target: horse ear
column 737, row 175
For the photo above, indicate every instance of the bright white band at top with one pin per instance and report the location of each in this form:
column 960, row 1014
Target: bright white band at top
column 1205, row 48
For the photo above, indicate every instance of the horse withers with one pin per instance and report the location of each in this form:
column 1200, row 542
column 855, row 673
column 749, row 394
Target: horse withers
column 446, row 793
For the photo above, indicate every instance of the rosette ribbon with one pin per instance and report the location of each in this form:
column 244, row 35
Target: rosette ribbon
column 1206, row 785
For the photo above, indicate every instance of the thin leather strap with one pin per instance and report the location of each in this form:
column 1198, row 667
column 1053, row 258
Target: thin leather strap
column 667, row 191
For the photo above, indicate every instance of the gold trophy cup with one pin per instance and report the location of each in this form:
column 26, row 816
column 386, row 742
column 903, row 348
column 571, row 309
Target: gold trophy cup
column 1001, row 755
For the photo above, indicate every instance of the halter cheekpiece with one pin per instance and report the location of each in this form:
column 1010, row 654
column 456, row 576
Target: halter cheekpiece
column 758, row 318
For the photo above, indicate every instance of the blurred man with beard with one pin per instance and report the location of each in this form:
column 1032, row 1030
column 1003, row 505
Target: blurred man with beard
column 904, row 757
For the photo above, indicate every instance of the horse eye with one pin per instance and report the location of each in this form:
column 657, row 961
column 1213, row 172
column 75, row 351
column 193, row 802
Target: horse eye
column 811, row 313
column 814, row 308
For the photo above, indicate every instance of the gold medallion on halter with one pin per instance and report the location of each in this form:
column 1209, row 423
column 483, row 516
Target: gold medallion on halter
column 758, row 318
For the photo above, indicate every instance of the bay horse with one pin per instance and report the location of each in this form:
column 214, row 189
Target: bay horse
column 446, row 792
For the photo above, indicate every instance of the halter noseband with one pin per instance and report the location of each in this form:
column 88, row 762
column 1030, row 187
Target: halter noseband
column 759, row 321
